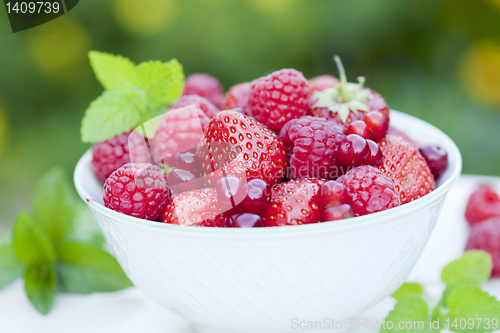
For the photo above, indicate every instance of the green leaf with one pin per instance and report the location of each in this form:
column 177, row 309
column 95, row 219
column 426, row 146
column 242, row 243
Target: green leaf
column 467, row 305
column 11, row 268
column 408, row 289
column 161, row 82
column 54, row 204
column 113, row 71
column 40, row 286
column 408, row 309
column 472, row 269
column 86, row 269
column 113, row 113
column 31, row 243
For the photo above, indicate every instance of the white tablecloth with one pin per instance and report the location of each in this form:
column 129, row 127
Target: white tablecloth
column 128, row 311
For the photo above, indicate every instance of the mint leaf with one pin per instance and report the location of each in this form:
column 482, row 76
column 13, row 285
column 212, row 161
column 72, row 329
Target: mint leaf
column 408, row 309
column 161, row 82
column 10, row 267
column 87, row 269
column 113, row 71
column 408, row 289
column 113, row 113
column 54, row 205
column 472, row 311
column 472, row 269
column 40, row 286
column 31, row 243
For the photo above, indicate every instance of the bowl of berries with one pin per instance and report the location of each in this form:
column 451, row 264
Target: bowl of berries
column 302, row 200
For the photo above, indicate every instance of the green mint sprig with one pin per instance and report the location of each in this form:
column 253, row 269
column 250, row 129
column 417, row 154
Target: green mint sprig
column 463, row 308
column 132, row 95
column 46, row 251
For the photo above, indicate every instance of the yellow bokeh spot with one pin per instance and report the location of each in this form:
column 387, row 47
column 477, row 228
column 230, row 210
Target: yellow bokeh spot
column 480, row 73
column 146, row 17
column 495, row 2
column 59, row 48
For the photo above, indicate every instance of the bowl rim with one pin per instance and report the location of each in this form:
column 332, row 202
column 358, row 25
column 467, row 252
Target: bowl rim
column 354, row 223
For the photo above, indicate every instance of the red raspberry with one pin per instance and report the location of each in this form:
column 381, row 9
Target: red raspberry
column 369, row 190
column 237, row 97
column 483, row 204
column 109, row 155
column 321, row 82
column 311, row 143
column 206, row 86
column 179, row 130
column 406, row 167
column 195, row 208
column 294, row 203
column 279, row 97
column 201, row 103
column 138, row 190
column 486, row 236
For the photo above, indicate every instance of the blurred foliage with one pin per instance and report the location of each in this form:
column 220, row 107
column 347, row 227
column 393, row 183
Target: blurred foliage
column 438, row 60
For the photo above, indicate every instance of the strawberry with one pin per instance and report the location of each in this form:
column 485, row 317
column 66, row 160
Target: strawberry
column 403, row 164
column 321, row 82
column 347, row 102
column 195, row 208
column 242, row 146
column 294, row 203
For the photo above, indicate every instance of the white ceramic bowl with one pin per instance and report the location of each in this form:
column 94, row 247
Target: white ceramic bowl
column 259, row 280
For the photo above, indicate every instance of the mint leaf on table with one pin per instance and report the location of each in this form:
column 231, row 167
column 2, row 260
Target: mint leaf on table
column 408, row 289
column 132, row 94
column 408, row 309
column 87, row 268
column 466, row 303
column 54, row 205
column 11, row 268
column 40, row 286
column 472, row 269
column 113, row 71
column 31, row 243
column 113, row 113
column 161, row 82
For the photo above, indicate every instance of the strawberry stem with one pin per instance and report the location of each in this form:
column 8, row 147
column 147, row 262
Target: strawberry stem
column 343, row 79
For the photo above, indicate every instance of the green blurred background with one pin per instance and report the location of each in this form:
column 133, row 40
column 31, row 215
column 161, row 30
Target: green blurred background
column 438, row 60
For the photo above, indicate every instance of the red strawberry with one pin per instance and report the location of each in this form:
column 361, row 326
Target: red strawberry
column 201, row 103
column 243, row 147
column 179, row 130
column 347, row 102
column 369, row 191
column 195, row 208
column 294, row 203
column 311, row 143
column 483, row 204
column 206, row 86
column 279, row 97
column 237, row 97
column 403, row 163
column 321, row 82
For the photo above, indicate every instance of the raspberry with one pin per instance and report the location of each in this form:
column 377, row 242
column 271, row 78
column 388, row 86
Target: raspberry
column 195, row 208
column 483, row 204
column 206, row 86
column 138, row 190
column 369, row 190
column 237, row 97
column 311, row 143
column 201, row 103
column 109, row 155
column 486, row 236
column 279, row 97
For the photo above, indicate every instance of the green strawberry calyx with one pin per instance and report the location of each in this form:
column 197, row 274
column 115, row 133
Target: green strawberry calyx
column 344, row 98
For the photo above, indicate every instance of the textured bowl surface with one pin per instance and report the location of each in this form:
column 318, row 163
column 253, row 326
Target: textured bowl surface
column 259, row 280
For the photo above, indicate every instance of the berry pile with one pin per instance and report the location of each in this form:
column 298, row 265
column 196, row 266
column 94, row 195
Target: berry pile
column 280, row 150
